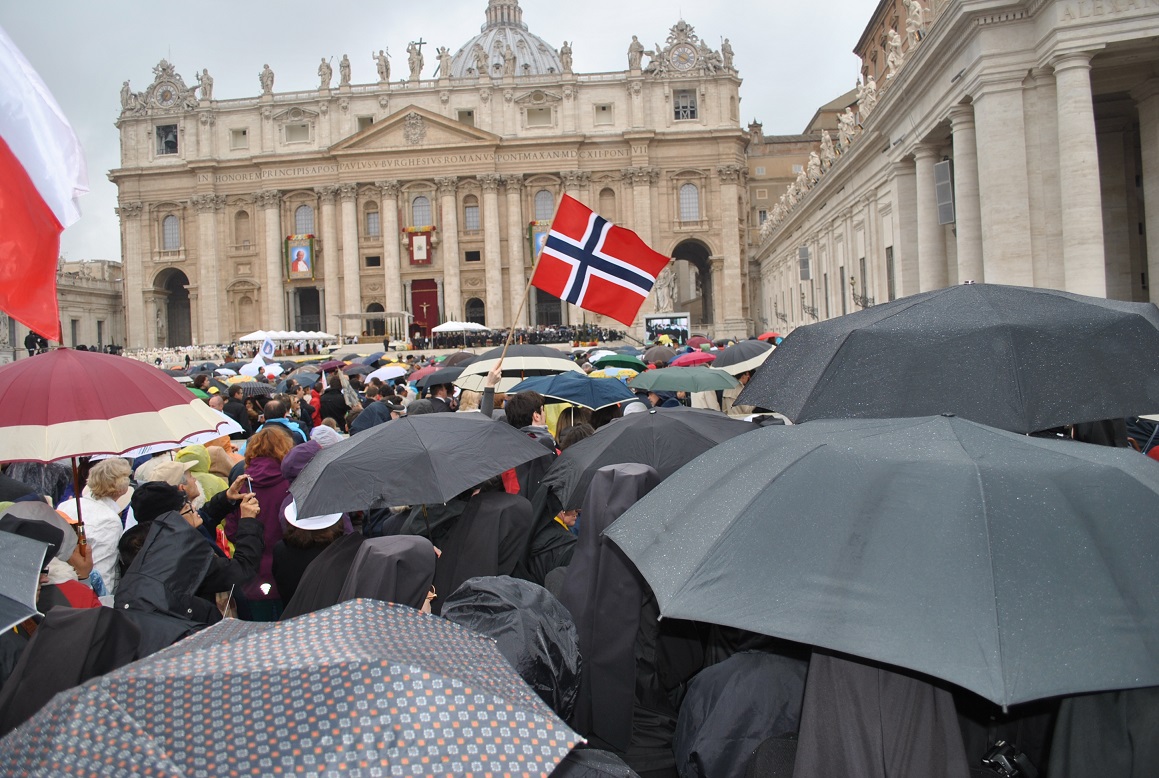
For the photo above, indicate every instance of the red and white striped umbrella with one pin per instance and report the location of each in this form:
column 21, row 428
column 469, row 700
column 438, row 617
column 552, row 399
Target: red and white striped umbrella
column 70, row 403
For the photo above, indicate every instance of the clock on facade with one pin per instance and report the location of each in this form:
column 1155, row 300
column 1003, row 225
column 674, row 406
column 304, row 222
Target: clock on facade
column 682, row 56
column 166, row 94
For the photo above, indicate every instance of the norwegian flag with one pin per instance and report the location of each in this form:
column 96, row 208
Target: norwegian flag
column 592, row 263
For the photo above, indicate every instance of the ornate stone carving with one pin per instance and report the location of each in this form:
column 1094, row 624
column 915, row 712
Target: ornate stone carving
column 479, row 54
column 866, row 97
column 485, row 94
column 513, row 182
column 266, row 78
column 390, row 188
column 846, row 129
column 894, row 58
column 684, row 54
column 915, row 21
column 323, row 108
column 348, row 191
column 414, row 129
column 489, row 182
column 269, row 198
column 508, row 95
column 166, row 95
column 327, row 194
column 207, row 203
column 730, row 174
column 373, row 287
column 207, row 119
column 472, row 281
column 325, row 73
column 344, row 104
column 813, row 171
column 267, row 113
column 565, row 57
column 447, row 185
column 666, row 288
column 444, row 96
column 383, row 102
column 828, row 152
column 382, row 63
column 344, row 71
column 634, row 88
column 130, row 210
column 444, row 55
column 568, row 92
column 575, row 178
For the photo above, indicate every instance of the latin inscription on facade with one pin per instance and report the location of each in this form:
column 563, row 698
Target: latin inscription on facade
column 1087, row 9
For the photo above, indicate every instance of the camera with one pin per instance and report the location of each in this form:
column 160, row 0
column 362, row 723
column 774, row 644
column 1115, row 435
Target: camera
column 1006, row 760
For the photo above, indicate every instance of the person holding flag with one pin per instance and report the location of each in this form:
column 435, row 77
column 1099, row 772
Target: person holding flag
column 267, row 350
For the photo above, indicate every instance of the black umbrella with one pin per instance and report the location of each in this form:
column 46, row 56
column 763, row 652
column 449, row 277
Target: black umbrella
column 234, row 366
column 364, row 687
column 444, row 375
column 1010, row 357
column 1016, row 567
column 460, row 358
column 410, row 461
column 358, row 370
column 665, row 439
column 744, row 356
column 254, row 388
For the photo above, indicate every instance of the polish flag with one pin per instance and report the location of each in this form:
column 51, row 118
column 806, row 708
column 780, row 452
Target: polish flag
column 42, row 173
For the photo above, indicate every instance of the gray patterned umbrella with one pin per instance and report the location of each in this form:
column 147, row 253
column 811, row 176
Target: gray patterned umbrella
column 363, row 688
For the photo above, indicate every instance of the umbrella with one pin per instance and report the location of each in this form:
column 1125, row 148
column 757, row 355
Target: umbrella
column 353, row 355
column 744, row 356
column 388, row 373
column 628, row 350
column 357, row 370
column 697, row 341
column 1011, row 357
column 578, row 389
column 665, row 439
column 722, row 342
column 70, row 403
column 332, row 364
column 619, row 373
column 612, row 359
column 377, row 355
column 20, row 562
column 521, row 361
column 421, row 373
column 1016, row 567
column 684, row 379
column 692, row 359
column 364, row 687
column 459, row 358
column 225, row 371
column 443, row 375
column 175, row 372
column 659, row 355
column 198, row 393
column 234, row 366
column 410, row 461
column 255, row 388
column 770, row 335
column 459, row 326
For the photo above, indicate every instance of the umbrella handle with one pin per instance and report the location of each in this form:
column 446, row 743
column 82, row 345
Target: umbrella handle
column 81, row 538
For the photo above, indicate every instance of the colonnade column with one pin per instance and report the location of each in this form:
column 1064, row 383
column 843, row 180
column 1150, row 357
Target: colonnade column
column 391, row 261
column 1084, row 258
column 931, row 238
column 967, row 202
column 516, row 251
column 730, row 294
column 132, row 270
column 274, row 294
column 351, row 282
column 449, row 208
column 572, row 314
column 207, row 206
column 1147, row 98
column 642, row 179
column 492, row 251
column 330, row 264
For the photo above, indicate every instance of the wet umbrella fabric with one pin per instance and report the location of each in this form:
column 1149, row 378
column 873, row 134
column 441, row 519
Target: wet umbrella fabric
column 255, row 388
column 444, row 375
column 684, row 379
column 1015, row 567
column 744, row 356
column 629, row 361
column 659, row 355
column 578, row 389
column 364, row 683
column 665, row 439
column 521, row 361
column 20, row 563
column 1010, row 357
column 693, row 359
column 410, row 461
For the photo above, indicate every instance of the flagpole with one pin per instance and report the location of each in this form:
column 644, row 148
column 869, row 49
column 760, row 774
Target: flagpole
column 526, row 292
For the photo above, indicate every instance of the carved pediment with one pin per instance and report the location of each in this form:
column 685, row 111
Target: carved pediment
column 538, row 97
column 413, row 127
column 296, row 114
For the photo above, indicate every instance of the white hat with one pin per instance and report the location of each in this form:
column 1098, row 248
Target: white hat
column 310, row 522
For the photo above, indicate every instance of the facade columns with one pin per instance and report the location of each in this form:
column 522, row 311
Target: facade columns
column 330, row 274
column 270, row 201
column 1083, row 254
column 967, row 202
column 1148, row 104
column 207, row 206
column 449, row 209
column 351, row 282
column 932, row 272
column 132, row 271
column 391, row 261
column 573, row 314
column 730, row 294
column 516, row 251
column 905, row 242
column 492, row 251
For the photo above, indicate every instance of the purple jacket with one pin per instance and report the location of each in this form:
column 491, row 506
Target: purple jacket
column 271, row 489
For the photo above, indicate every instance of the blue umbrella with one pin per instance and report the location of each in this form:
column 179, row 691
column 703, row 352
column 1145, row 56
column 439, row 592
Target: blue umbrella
column 577, row 389
column 373, row 357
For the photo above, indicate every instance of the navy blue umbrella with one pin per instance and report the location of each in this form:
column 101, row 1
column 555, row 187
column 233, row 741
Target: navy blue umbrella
column 577, row 389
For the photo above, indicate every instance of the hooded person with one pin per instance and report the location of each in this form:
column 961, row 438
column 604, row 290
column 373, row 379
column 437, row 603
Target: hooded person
column 326, row 436
column 552, row 541
column 861, row 720
column 292, row 466
column 210, row 484
column 304, row 540
column 635, row 665
column 732, row 707
column 323, row 580
column 533, row 631
column 1107, row 734
column 398, row 569
column 490, row 539
column 221, row 460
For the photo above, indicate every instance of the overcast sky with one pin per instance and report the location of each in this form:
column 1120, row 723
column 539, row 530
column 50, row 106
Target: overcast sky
column 792, row 56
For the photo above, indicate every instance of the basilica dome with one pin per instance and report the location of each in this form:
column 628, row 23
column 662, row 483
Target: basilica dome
column 505, row 27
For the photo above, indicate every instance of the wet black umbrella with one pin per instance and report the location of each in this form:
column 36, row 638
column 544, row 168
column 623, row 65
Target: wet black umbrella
column 744, row 356
column 365, row 687
column 665, row 439
column 444, row 375
column 254, row 388
column 1015, row 567
column 460, row 358
column 410, row 461
column 1010, row 357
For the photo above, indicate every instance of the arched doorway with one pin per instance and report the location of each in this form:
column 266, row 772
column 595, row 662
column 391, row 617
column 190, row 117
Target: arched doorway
column 173, row 319
column 694, row 281
column 476, row 311
column 376, row 327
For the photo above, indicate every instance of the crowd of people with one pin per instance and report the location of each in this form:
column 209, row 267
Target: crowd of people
column 177, row 541
column 579, row 333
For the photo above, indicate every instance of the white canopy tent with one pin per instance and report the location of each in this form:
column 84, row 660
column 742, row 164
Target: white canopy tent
column 282, row 335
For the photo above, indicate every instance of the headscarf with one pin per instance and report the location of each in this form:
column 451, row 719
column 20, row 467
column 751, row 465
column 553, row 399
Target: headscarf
column 326, row 436
column 398, row 569
column 324, row 578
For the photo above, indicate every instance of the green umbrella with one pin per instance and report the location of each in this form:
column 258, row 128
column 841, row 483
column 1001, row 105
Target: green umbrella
column 198, row 393
column 620, row 360
column 684, row 379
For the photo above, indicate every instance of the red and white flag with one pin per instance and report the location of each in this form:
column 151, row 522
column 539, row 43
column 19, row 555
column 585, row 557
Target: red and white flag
column 42, row 172
column 590, row 262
